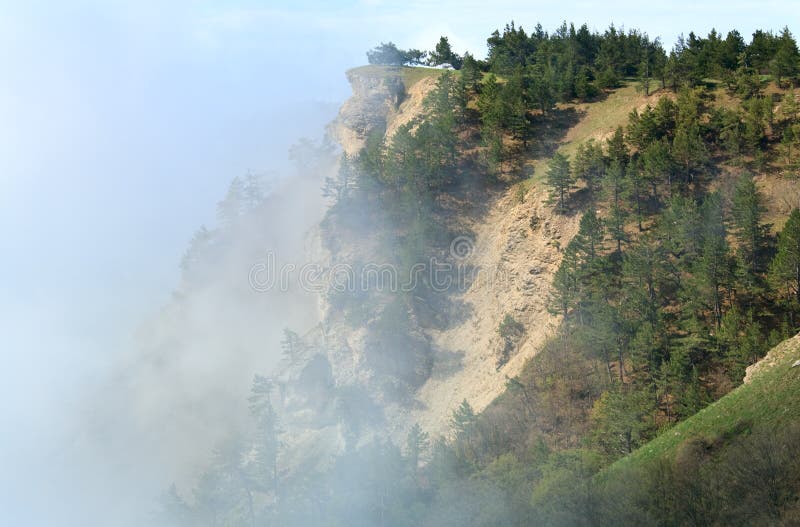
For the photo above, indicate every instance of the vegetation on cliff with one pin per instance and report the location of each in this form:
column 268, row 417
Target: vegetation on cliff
column 673, row 285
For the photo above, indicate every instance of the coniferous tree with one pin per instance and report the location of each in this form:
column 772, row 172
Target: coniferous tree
column 642, row 128
column 790, row 106
column 657, row 166
column 589, row 166
column 443, row 54
column 492, row 115
column 559, row 179
column 514, row 99
column 470, row 72
column 175, row 510
column 712, row 270
column 565, row 291
column 616, row 187
column 731, row 132
column 790, row 143
column 689, row 151
column 748, row 210
column 786, row 60
column 387, row 54
column 785, row 269
column 590, row 236
column 463, row 420
column 636, row 178
column 617, row 149
column 494, row 153
column 542, row 87
column 417, row 444
column 584, row 87
column 490, row 105
column 755, row 118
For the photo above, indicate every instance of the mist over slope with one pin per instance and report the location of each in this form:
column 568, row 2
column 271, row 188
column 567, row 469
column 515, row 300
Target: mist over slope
column 181, row 391
column 536, row 265
column 509, row 277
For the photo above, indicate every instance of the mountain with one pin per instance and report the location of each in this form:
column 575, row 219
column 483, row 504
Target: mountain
column 531, row 281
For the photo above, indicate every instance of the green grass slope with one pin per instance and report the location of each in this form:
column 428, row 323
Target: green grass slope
column 768, row 401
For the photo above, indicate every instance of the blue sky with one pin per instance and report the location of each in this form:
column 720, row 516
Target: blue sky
column 124, row 122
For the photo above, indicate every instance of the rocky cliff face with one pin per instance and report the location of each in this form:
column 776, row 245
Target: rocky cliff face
column 516, row 259
column 377, row 93
column 513, row 258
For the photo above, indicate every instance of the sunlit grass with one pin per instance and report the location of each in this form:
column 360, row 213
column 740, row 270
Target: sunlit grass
column 770, row 401
column 598, row 121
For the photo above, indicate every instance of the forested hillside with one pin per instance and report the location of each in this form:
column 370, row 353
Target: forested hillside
column 663, row 187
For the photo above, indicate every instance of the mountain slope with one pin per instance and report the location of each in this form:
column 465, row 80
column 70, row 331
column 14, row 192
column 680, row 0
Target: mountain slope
column 769, row 399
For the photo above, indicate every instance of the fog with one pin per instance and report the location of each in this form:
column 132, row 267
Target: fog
column 124, row 128
column 124, row 125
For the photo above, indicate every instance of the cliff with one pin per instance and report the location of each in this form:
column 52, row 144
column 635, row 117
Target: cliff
column 512, row 256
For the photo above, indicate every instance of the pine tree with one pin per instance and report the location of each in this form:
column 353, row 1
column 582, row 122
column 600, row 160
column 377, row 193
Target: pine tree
column 657, row 165
column 637, row 180
column 565, row 291
column 493, row 118
column 754, row 131
column 197, row 252
column 643, row 128
column 645, row 268
column 688, row 150
column 584, row 88
column 443, row 54
column 542, row 87
column 616, row 187
column 731, row 132
column 372, row 158
column 785, row 269
column 790, row 142
column 494, row 153
column 589, row 165
column 463, row 420
column 713, row 266
column 680, row 228
column 417, row 444
column 559, row 179
column 789, row 106
column 516, row 107
column 617, row 149
column 748, row 210
column 786, row 60
column 588, row 242
column 387, row 53
column 470, row 72
column 490, row 105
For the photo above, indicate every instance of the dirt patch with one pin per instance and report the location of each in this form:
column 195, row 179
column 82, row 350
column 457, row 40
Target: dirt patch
column 515, row 264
